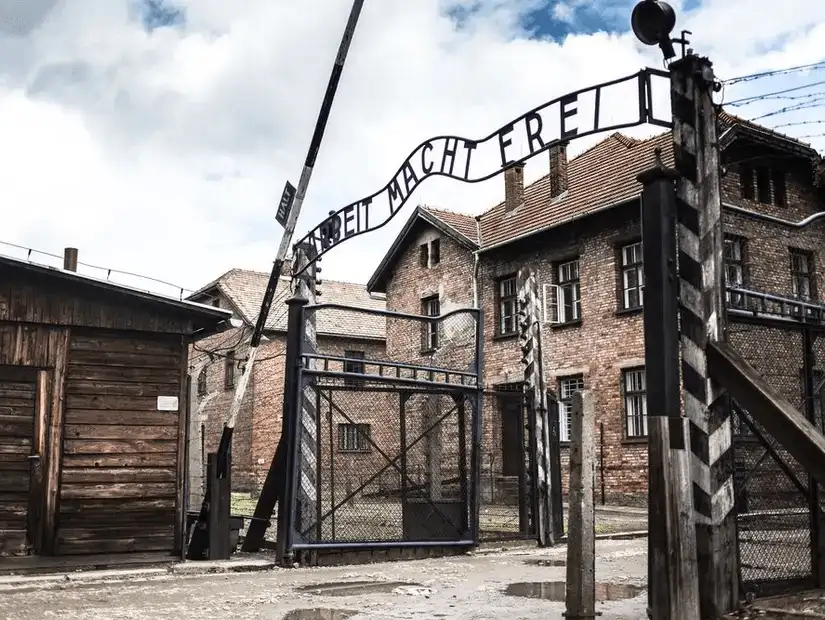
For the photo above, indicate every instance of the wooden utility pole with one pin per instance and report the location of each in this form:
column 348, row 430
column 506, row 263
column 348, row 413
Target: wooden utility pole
column 672, row 570
column 580, row 597
column 702, row 320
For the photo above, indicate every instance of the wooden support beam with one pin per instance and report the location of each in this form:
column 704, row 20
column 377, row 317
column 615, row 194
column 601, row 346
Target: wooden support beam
column 580, row 597
column 779, row 417
column 54, row 453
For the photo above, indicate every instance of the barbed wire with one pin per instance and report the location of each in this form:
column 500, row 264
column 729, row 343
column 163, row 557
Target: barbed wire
column 109, row 270
column 771, row 95
column 815, row 66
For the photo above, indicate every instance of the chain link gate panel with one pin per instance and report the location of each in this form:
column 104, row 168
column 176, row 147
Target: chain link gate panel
column 777, row 503
column 386, row 447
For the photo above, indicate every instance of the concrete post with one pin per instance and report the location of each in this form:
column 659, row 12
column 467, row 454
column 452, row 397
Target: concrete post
column 581, row 520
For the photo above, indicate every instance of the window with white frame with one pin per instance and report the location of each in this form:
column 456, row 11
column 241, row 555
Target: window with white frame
column 354, row 437
column 562, row 300
column 567, row 387
column 802, row 274
column 634, row 386
column 734, row 263
column 430, row 307
column 633, row 282
column 507, row 306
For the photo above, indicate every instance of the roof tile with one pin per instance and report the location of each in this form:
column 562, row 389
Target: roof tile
column 245, row 288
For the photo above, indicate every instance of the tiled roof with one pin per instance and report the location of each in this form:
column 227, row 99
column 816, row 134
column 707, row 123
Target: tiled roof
column 601, row 176
column 245, row 289
column 460, row 222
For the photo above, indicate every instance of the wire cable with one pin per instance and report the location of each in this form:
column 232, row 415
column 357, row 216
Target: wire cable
column 815, row 66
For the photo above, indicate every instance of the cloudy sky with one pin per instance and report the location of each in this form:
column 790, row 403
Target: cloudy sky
column 156, row 136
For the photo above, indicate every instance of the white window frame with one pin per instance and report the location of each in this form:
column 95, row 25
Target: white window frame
column 629, row 267
column 511, row 298
column 431, row 327
column 634, row 396
column 566, row 403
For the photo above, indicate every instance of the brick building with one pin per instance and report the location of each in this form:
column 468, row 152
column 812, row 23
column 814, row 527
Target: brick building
column 579, row 227
column 216, row 363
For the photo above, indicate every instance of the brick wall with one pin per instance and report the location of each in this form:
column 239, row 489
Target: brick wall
column 258, row 427
column 607, row 340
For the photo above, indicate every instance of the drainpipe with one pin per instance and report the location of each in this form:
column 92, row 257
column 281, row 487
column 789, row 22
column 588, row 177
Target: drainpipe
column 776, row 220
column 476, row 264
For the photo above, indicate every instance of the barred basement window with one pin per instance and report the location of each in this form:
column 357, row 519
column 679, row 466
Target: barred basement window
column 354, row 437
column 567, row 387
column 507, row 295
column 634, row 387
column 633, row 280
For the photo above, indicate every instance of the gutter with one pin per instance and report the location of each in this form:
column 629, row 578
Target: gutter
column 772, row 218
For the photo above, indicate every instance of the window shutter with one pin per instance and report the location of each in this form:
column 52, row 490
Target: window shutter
column 550, row 295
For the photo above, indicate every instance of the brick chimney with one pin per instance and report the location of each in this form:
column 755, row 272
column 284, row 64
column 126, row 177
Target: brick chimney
column 70, row 259
column 513, row 187
column 558, row 169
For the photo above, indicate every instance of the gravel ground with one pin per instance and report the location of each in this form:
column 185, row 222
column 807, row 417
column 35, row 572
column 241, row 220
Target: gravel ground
column 471, row 587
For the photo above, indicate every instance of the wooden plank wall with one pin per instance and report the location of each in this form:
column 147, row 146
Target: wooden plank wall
column 17, row 417
column 41, row 300
column 119, row 489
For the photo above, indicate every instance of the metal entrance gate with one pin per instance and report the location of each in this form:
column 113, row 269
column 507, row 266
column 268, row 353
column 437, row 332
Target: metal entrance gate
column 387, row 440
column 778, row 505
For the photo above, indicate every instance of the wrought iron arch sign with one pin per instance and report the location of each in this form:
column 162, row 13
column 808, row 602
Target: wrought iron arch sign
column 455, row 157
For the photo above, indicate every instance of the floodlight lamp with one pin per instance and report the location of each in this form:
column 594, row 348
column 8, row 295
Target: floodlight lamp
column 652, row 22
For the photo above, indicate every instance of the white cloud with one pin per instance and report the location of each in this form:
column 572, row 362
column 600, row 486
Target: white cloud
column 166, row 153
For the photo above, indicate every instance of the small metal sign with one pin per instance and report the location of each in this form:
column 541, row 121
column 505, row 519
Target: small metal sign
column 285, row 206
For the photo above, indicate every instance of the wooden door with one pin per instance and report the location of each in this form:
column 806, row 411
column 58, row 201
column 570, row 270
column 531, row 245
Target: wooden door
column 512, row 452
column 19, row 461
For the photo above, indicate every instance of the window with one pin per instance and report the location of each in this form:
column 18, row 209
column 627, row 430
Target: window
column 202, row 382
column 435, row 251
column 763, row 185
column 354, row 437
column 635, row 402
column 216, row 302
column 569, row 294
column 430, row 307
column 633, row 282
column 746, row 182
column 802, row 281
column 734, row 265
column 229, row 370
column 779, row 192
column 424, row 255
column 353, row 365
column 567, row 387
column 507, row 306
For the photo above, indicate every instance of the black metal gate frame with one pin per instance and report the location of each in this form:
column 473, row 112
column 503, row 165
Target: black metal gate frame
column 468, row 384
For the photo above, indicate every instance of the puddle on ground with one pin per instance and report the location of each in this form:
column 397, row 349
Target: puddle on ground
column 353, row 588
column 555, row 590
column 547, row 562
column 319, row 613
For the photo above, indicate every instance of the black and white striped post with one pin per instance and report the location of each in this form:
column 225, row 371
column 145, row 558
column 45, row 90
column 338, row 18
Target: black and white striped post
column 529, row 312
column 702, row 319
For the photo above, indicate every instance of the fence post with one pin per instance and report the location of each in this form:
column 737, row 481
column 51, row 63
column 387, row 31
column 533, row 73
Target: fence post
column 581, row 520
column 672, row 571
column 290, row 429
column 817, row 543
column 702, row 320
column 219, row 507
